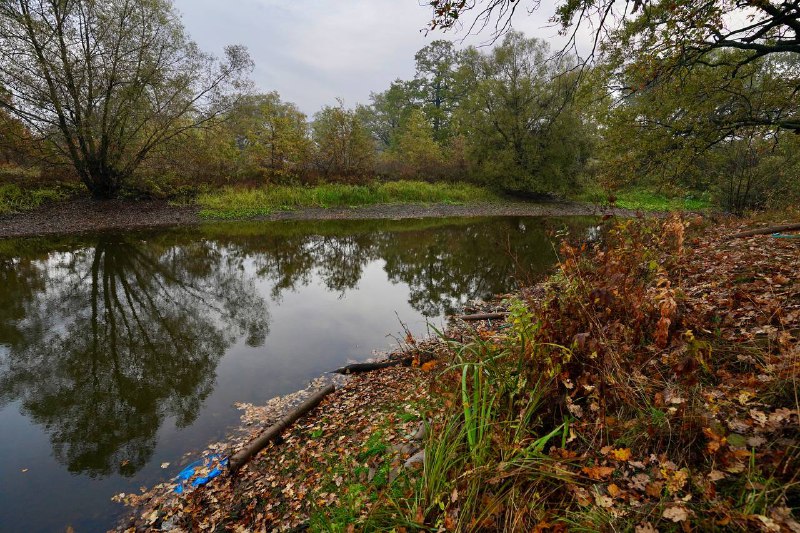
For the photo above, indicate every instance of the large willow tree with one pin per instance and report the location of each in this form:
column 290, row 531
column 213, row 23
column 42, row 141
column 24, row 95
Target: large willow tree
column 656, row 40
column 104, row 83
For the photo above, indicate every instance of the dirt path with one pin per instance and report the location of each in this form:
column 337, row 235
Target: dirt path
column 86, row 215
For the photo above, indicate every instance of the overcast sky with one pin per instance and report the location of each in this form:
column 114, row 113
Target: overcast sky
column 313, row 51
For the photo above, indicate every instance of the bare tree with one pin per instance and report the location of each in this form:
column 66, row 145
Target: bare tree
column 104, row 82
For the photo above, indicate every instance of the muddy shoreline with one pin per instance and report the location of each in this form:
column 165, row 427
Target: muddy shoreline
column 85, row 215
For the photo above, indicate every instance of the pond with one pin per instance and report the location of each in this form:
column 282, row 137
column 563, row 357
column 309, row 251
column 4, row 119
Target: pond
column 122, row 352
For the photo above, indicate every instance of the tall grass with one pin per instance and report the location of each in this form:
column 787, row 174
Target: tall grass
column 233, row 202
column 486, row 458
column 13, row 199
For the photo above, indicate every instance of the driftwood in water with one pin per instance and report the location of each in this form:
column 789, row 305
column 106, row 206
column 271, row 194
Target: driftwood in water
column 766, row 231
column 357, row 368
column 242, row 456
column 481, row 316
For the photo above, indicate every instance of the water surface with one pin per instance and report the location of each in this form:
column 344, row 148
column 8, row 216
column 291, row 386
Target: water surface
column 123, row 351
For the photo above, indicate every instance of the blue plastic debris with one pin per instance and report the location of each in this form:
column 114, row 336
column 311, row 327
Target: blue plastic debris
column 214, row 463
column 783, row 236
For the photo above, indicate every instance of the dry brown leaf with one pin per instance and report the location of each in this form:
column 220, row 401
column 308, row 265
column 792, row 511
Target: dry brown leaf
column 598, row 472
column 676, row 514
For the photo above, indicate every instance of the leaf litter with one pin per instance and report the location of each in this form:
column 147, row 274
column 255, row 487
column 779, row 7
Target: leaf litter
column 711, row 341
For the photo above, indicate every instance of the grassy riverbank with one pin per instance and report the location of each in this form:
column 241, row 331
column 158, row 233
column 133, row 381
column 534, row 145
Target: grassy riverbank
column 651, row 385
column 14, row 199
column 234, row 202
column 644, row 199
column 238, row 202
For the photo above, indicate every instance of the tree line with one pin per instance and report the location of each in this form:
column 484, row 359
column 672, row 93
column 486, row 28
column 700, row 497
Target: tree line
column 117, row 95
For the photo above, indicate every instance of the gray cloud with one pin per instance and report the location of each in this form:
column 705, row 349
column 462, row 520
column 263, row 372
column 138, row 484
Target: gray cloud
column 313, row 51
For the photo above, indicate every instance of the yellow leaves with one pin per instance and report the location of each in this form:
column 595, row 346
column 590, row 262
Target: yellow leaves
column 744, row 397
column 675, row 480
column 621, row 454
column 759, row 417
column 613, row 490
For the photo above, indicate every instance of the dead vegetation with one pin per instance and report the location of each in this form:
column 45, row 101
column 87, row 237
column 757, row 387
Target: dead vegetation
column 650, row 385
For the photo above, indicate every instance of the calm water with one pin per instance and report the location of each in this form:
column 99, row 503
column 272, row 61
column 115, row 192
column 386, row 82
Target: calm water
column 121, row 351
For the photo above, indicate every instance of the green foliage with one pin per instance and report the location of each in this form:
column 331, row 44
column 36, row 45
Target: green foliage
column 693, row 132
column 388, row 110
column 437, row 67
column 104, row 85
column 523, row 133
column 485, row 458
column 271, row 135
column 648, row 199
column 239, row 203
column 344, row 148
column 13, row 199
column 415, row 153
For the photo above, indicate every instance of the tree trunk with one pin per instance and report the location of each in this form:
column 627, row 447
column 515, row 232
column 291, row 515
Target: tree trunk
column 766, row 231
column 240, row 458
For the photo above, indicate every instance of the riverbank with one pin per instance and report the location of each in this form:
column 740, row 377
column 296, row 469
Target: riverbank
column 85, row 215
column 658, row 382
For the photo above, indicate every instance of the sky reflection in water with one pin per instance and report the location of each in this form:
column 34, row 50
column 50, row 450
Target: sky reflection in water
column 122, row 351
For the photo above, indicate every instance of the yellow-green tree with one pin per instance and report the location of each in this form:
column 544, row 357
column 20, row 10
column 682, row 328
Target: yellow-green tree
column 273, row 136
column 344, row 148
column 415, row 153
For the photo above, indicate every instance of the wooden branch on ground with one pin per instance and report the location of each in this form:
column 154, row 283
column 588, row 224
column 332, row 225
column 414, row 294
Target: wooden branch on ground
column 766, row 231
column 245, row 454
column 357, row 368
column 481, row 316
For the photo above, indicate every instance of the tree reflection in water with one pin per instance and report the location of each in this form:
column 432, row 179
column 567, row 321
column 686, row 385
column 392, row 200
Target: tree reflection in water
column 101, row 343
column 117, row 337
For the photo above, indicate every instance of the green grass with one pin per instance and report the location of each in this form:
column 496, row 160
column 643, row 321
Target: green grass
column 233, row 202
column 13, row 199
column 641, row 199
column 652, row 201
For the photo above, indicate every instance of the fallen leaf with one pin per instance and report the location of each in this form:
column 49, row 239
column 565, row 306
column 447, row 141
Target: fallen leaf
column 603, row 501
column 676, row 514
column 769, row 523
column 621, row 454
column 645, row 527
column 427, row 367
column 598, row 472
column 654, row 489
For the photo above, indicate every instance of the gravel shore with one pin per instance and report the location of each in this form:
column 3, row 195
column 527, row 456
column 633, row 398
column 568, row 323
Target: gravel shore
column 84, row 215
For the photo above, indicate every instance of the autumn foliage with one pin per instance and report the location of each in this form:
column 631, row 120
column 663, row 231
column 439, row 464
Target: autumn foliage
column 649, row 384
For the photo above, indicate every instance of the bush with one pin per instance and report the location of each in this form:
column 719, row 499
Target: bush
column 14, row 199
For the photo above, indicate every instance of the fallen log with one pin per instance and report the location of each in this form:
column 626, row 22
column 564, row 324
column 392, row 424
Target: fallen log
column 766, row 231
column 242, row 456
column 481, row 316
column 357, row 368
